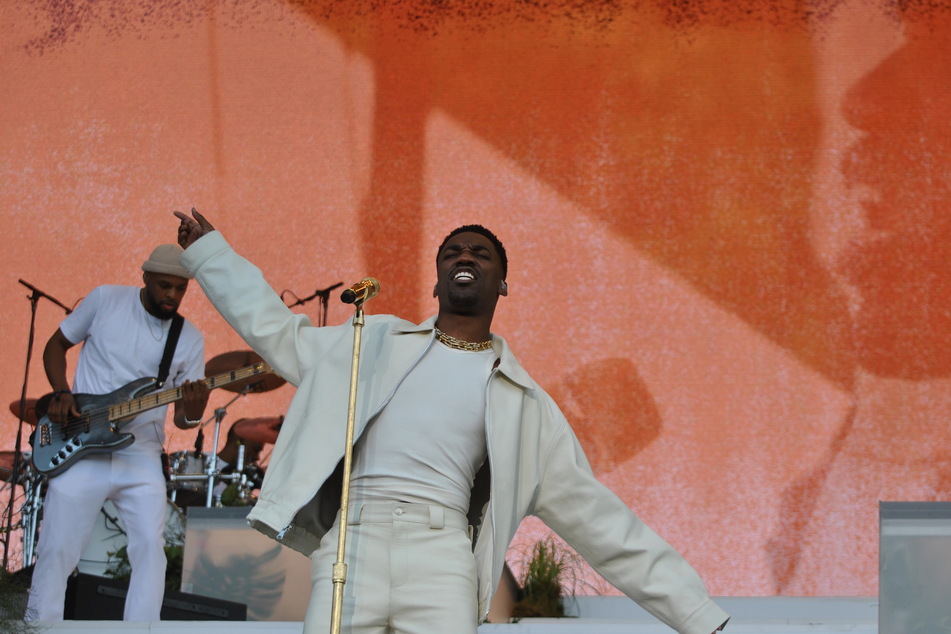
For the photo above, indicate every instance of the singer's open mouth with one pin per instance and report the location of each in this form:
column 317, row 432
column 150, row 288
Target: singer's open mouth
column 463, row 275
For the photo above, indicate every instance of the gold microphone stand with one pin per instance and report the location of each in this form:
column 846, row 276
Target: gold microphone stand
column 369, row 287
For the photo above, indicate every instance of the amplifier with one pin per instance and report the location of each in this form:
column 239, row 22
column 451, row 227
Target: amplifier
column 92, row 598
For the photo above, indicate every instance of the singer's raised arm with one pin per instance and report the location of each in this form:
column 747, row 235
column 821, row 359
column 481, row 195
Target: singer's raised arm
column 286, row 340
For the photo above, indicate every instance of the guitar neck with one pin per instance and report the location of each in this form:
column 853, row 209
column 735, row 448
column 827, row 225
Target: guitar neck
column 138, row 405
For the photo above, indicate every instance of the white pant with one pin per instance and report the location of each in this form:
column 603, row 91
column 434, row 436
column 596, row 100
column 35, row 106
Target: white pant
column 410, row 571
column 135, row 484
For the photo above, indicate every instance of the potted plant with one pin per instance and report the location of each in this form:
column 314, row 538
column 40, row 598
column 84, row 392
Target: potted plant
column 547, row 576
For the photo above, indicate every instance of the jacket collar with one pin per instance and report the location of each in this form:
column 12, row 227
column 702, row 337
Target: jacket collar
column 508, row 364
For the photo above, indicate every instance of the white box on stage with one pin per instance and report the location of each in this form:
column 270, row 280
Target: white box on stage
column 914, row 567
column 227, row 559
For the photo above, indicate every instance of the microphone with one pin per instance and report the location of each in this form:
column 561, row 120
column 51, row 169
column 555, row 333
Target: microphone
column 362, row 291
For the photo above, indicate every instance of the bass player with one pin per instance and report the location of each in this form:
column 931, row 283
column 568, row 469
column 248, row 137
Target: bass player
column 125, row 332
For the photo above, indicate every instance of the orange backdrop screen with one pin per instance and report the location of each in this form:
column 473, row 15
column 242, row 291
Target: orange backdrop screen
column 727, row 224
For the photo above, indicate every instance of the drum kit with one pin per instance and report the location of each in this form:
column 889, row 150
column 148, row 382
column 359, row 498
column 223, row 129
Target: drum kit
column 229, row 476
column 194, row 478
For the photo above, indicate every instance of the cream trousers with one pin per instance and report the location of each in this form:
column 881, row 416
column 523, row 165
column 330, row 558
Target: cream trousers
column 410, row 570
column 135, row 484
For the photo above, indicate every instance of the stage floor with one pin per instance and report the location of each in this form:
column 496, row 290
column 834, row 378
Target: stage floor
column 595, row 615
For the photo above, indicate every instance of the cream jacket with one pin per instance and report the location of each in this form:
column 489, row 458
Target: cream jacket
column 537, row 466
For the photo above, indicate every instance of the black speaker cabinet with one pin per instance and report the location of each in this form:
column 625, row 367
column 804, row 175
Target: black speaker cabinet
column 92, row 598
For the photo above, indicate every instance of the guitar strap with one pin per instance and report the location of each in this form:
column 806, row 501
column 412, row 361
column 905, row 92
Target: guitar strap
column 174, row 330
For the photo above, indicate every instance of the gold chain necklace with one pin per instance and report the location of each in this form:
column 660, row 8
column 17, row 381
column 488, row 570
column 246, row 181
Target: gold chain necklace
column 459, row 344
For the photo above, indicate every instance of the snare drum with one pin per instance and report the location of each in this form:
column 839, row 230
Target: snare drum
column 108, row 536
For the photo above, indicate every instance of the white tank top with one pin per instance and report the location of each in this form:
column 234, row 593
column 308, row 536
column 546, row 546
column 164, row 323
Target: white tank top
column 429, row 441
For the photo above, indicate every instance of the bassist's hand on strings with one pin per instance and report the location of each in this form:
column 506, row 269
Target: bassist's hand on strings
column 62, row 407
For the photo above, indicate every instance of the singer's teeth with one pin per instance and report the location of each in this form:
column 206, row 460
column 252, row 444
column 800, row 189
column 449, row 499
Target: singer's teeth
column 463, row 275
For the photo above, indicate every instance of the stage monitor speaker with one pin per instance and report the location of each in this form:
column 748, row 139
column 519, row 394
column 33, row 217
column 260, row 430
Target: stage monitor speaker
column 92, row 598
column 914, row 575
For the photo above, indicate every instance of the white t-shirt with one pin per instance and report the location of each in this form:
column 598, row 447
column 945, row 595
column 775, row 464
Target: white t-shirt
column 429, row 441
column 122, row 342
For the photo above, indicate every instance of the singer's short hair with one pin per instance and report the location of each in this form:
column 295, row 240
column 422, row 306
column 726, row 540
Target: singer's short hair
column 484, row 232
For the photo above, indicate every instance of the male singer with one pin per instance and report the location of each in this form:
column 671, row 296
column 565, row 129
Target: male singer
column 440, row 406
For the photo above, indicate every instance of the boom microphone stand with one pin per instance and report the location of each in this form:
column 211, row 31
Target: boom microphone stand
column 324, row 295
column 356, row 295
column 34, row 298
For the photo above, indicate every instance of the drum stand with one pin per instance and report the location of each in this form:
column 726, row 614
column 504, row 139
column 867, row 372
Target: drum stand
column 28, row 507
column 211, row 474
column 32, row 482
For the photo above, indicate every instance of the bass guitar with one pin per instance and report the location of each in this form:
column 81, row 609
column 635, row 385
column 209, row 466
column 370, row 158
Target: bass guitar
column 57, row 446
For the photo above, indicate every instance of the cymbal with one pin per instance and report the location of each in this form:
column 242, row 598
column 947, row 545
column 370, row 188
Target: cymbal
column 6, row 461
column 261, row 430
column 30, row 414
column 7, row 458
column 237, row 359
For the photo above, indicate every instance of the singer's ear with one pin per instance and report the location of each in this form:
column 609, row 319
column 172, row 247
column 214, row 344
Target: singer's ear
column 503, row 288
column 434, row 290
